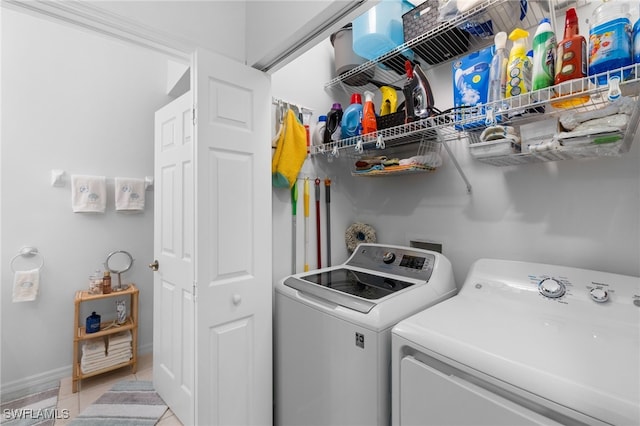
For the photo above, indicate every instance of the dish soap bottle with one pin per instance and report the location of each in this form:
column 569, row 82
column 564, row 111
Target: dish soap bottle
column 544, row 56
column 519, row 66
column 352, row 118
column 610, row 40
column 571, row 61
column 497, row 78
column 369, row 124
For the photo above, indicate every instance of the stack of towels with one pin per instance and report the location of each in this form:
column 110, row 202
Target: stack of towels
column 105, row 352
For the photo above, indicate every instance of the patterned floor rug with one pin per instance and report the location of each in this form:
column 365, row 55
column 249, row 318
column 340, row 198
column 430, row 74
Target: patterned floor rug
column 33, row 406
column 127, row 403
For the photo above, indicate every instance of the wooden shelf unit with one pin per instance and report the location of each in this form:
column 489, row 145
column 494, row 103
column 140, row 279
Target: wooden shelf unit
column 80, row 334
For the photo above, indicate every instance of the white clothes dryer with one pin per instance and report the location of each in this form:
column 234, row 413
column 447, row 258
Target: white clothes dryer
column 333, row 333
column 522, row 344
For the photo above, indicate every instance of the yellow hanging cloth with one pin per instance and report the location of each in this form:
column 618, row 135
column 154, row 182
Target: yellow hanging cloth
column 291, row 151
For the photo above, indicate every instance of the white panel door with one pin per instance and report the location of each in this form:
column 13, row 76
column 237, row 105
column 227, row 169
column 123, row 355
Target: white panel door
column 174, row 245
column 233, row 242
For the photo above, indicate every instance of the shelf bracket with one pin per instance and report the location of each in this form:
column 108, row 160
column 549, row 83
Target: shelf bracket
column 455, row 163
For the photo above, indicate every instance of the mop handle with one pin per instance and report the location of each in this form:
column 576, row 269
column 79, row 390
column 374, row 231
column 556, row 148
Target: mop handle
column 294, row 207
column 319, row 251
column 306, row 224
column 327, row 187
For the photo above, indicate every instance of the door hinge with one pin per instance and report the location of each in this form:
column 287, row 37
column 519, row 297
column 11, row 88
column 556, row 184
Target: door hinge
column 193, row 116
column 195, row 290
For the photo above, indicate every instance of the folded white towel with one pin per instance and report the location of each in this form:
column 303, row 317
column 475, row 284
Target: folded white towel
column 93, row 347
column 129, row 194
column 25, row 285
column 123, row 336
column 88, row 367
column 88, row 194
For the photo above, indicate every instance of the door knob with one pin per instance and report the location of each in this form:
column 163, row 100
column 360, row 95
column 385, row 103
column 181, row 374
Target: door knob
column 154, row 266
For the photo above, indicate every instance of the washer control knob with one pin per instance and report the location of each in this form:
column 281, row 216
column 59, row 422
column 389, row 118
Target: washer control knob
column 550, row 287
column 388, row 257
column 599, row 294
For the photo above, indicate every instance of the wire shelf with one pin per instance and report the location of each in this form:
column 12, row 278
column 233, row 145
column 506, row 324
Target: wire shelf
column 389, row 68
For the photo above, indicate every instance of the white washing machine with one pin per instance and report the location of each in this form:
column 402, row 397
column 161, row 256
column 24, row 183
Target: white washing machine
column 333, row 333
column 522, row 343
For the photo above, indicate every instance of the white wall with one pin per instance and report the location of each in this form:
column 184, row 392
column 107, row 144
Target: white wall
column 76, row 101
column 582, row 213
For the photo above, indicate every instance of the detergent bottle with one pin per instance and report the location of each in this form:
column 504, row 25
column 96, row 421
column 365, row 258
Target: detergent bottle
column 544, row 56
column 610, row 40
column 318, row 131
column 571, row 61
column 351, row 124
column 369, row 124
column 636, row 40
column 334, row 118
column 497, row 77
column 519, row 65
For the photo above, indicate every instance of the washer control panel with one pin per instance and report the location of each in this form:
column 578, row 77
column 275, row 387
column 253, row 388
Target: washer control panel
column 402, row 261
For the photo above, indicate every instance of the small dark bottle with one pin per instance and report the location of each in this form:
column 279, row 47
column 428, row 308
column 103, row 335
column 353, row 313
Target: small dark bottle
column 106, row 283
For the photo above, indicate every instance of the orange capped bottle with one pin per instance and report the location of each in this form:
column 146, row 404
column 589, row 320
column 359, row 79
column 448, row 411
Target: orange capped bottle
column 571, row 63
column 369, row 125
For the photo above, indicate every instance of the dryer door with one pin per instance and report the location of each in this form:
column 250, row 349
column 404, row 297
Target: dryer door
column 430, row 397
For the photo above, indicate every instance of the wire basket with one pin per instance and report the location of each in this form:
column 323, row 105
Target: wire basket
column 441, row 47
column 418, row 154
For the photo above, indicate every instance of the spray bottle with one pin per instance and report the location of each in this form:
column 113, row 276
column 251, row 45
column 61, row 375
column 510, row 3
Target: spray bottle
column 519, row 66
column 497, row 78
column 369, row 124
column 544, row 56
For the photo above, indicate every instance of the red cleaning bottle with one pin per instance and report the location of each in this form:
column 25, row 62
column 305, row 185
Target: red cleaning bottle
column 571, row 62
column 369, row 124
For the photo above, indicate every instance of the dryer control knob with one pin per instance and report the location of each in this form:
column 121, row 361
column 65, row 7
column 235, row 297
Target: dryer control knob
column 550, row 287
column 599, row 294
column 388, row 257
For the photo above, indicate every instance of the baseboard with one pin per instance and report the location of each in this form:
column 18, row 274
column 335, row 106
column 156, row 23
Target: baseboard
column 38, row 379
column 51, row 375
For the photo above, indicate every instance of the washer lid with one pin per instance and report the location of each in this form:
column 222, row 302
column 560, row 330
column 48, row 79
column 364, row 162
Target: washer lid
column 347, row 287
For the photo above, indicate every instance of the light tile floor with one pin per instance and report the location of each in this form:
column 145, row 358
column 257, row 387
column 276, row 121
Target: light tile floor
column 90, row 389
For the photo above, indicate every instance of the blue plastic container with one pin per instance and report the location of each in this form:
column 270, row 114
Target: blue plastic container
column 636, row 42
column 610, row 45
column 379, row 30
column 351, row 124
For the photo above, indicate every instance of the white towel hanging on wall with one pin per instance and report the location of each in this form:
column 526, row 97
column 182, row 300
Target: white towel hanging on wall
column 26, row 285
column 88, row 194
column 129, row 194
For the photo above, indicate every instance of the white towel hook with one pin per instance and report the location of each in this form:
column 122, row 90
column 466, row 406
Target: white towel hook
column 28, row 252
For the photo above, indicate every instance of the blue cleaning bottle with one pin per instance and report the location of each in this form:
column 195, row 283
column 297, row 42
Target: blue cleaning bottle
column 610, row 40
column 636, row 40
column 351, row 124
